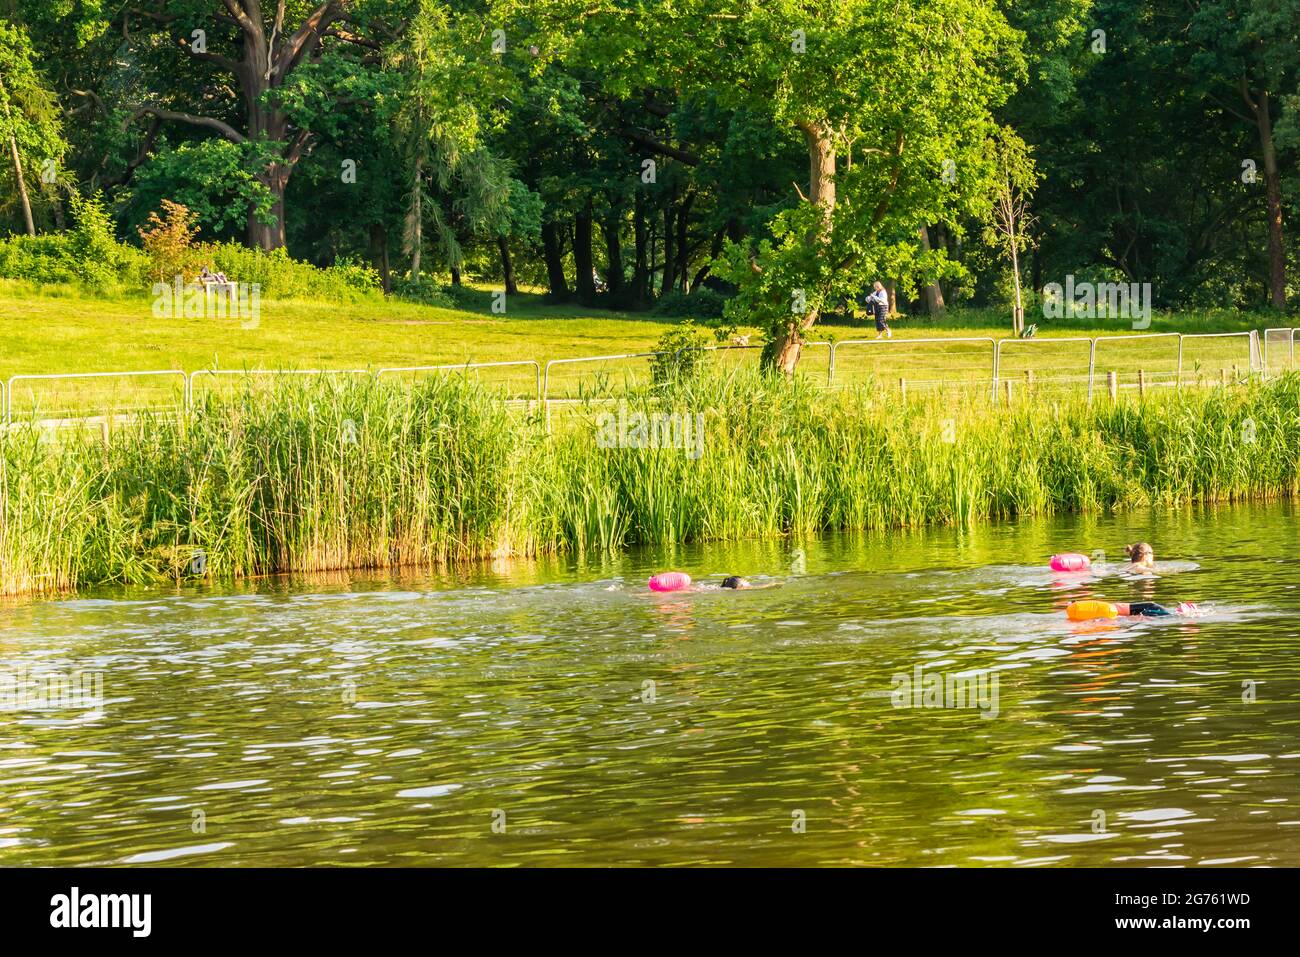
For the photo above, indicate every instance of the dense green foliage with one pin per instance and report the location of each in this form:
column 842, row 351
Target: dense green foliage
column 307, row 474
column 659, row 150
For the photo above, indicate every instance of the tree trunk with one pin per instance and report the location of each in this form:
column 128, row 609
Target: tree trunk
column 683, row 255
column 670, row 252
column 507, row 266
column 788, row 346
column 553, row 251
column 455, row 276
column 933, row 291
column 582, row 262
column 22, row 187
column 1018, row 310
column 379, row 253
column 640, row 269
column 415, row 218
column 1273, row 190
column 268, row 236
column 611, row 228
column 23, row 199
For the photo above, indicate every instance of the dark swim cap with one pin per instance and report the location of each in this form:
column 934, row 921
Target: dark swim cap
column 735, row 581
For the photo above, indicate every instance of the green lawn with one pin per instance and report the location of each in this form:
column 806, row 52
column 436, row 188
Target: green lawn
column 65, row 331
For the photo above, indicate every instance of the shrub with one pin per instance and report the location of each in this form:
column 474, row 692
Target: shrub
column 683, row 347
column 169, row 242
column 424, row 290
column 282, row 277
column 86, row 256
column 703, row 303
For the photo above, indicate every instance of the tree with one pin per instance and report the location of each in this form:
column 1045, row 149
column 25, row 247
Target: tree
column 29, row 118
column 1250, row 53
column 886, row 96
column 1010, row 224
column 267, row 53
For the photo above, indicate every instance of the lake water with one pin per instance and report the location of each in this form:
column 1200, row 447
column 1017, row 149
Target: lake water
column 559, row 713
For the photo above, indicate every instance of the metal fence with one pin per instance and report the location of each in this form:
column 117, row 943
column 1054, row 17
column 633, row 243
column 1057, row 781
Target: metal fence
column 963, row 362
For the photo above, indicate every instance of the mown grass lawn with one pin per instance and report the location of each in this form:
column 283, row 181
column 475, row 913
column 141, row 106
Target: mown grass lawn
column 61, row 330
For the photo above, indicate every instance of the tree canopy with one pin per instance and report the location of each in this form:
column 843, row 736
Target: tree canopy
column 778, row 155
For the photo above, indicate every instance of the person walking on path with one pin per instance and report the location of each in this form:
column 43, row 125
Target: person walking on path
column 878, row 301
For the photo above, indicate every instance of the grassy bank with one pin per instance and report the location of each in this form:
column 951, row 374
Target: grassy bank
column 49, row 329
column 300, row 474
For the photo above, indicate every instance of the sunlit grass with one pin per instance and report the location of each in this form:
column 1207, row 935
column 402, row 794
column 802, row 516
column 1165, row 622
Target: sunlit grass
column 306, row 474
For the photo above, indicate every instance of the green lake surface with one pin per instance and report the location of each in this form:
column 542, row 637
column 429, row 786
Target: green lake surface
column 558, row 713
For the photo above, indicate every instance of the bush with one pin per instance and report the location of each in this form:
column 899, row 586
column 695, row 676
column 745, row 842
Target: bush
column 425, row 290
column 87, row 255
column 683, row 346
column 703, row 303
column 282, row 277
column 169, row 242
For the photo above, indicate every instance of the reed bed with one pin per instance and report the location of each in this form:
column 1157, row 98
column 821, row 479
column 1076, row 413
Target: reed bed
column 295, row 474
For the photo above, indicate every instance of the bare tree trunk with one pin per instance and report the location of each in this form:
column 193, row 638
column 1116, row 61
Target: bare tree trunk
column 23, row 198
column 554, row 254
column 22, row 187
column 933, row 292
column 507, row 266
column 670, row 252
column 821, row 190
column 1018, row 313
column 582, row 262
column 1273, row 191
column 415, row 218
column 611, row 228
column 683, row 255
column 640, row 268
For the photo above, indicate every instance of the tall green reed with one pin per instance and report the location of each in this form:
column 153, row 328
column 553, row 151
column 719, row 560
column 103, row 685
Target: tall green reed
column 303, row 474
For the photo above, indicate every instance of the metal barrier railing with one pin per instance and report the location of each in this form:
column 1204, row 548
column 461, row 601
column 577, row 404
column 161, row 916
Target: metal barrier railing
column 1054, row 340
column 1092, row 359
column 546, row 373
column 1289, row 340
column 466, row 366
column 989, row 340
column 248, row 373
column 29, row 377
column 1257, row 361
column 1252, row 345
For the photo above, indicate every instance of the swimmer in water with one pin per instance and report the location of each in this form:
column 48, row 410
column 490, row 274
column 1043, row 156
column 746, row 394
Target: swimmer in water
column 1088, row 610
column 1140, row 555
column 735, row 581
column 1145, row 609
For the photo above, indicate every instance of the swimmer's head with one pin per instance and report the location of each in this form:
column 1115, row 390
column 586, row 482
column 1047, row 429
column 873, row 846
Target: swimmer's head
column 1140, row 553
column 735, row 581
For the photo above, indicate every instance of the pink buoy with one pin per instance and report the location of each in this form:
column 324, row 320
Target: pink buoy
column 1071, row 562
column 670, row 581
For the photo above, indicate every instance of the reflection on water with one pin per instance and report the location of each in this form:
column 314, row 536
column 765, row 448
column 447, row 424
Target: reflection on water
column 553, row 714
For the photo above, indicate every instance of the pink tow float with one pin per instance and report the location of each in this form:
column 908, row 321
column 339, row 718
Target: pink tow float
column 1071, row 562
column 670, row 581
